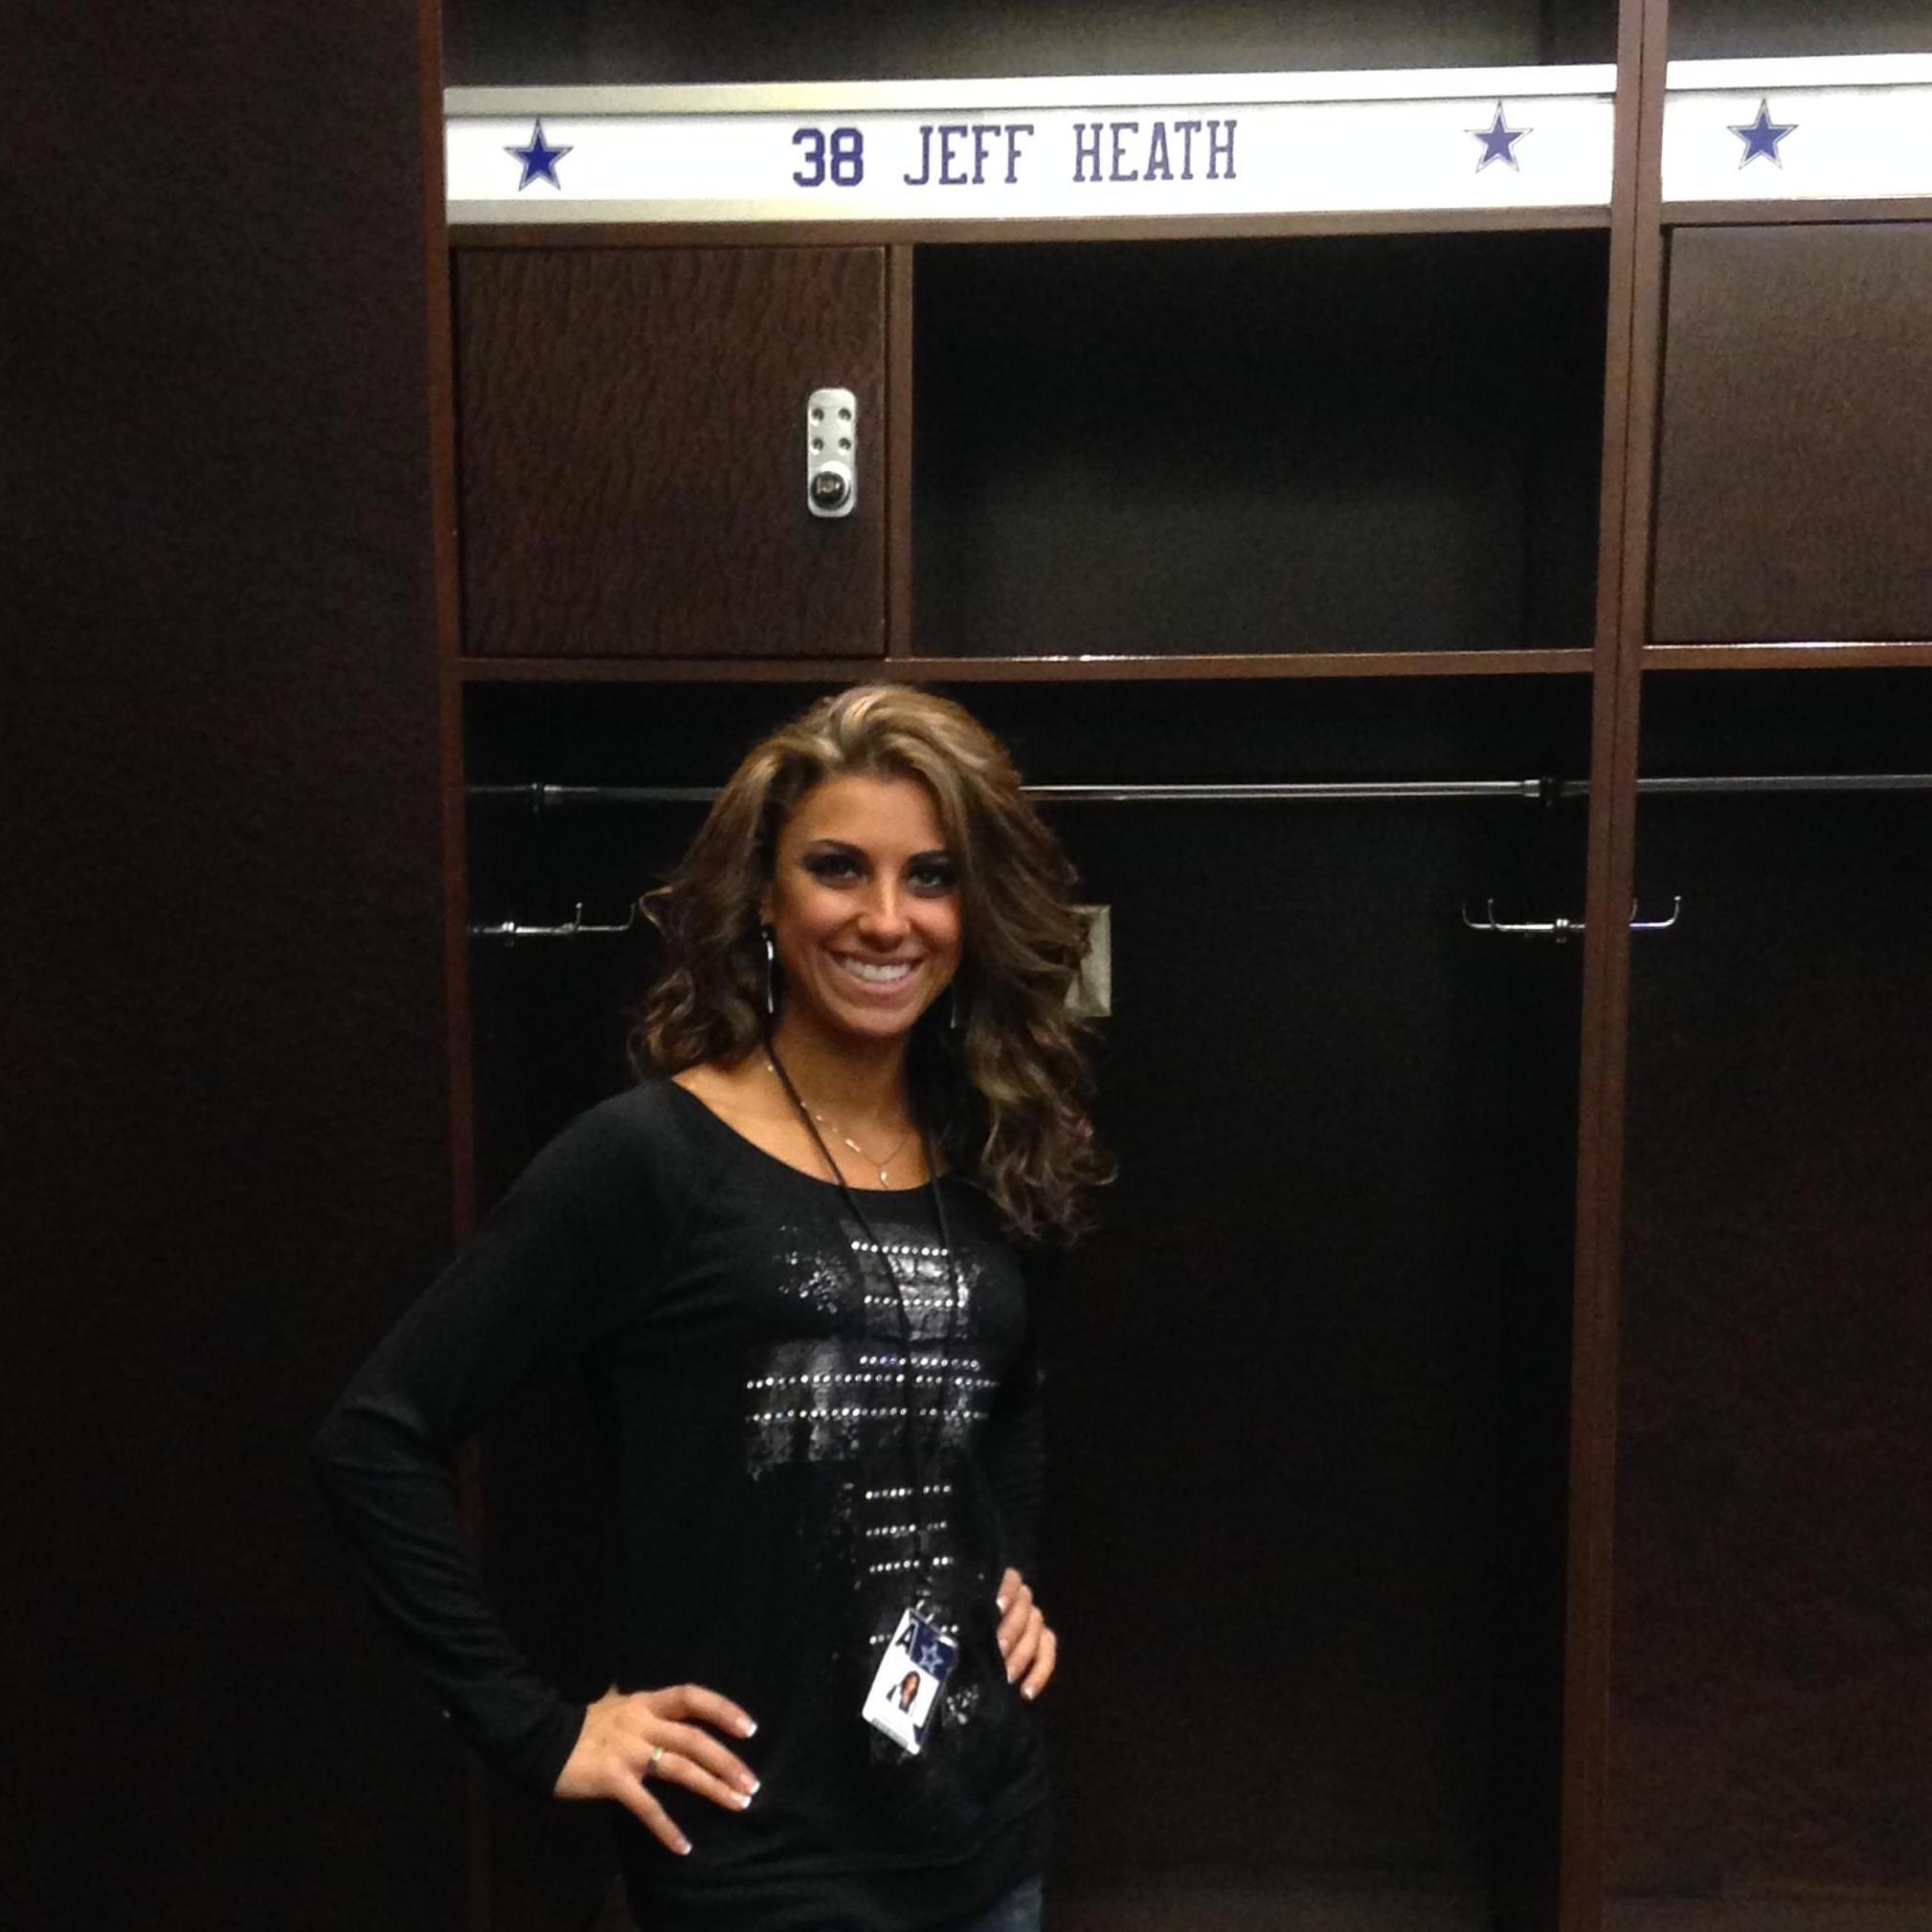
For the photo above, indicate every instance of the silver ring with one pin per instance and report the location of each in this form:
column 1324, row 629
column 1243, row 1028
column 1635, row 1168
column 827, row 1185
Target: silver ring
column 657, row 1752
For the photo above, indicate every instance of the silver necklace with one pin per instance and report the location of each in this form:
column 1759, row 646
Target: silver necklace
column 830, row 1127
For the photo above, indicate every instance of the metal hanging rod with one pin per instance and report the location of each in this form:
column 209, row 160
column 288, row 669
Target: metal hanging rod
column 541, row 799
column 572, row 928
column 1560, row 930
column 550, row 798
column 1533, row 790
column 1306, row 790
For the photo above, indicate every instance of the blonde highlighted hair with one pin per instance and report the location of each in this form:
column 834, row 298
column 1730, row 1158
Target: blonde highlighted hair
column 1006, row 1090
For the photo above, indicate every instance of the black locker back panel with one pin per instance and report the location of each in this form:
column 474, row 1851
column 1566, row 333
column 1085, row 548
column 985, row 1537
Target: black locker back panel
column 1255, row 446
column 1289, row 1533
column 510, row 43
column 1773, row 1611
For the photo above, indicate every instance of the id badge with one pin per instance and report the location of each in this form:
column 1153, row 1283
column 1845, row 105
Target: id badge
column 910, row 1679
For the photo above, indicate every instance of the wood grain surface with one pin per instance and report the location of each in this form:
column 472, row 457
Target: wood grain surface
column 225, row 1128
column 1774, row 1592
column 633, row 452
column 1795, row 467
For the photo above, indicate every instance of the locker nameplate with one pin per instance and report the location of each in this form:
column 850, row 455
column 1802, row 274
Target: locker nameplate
column 1853, row 127
column 1470, row 139
column 1850, row 128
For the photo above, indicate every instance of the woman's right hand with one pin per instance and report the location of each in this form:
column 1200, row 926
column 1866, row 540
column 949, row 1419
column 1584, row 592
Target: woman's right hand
column 630, row 1738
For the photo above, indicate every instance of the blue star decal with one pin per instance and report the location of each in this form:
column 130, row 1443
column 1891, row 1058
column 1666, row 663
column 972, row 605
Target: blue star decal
column 1761, row 136
column 931, row 1652
column 539, row 159
column 1499, row 142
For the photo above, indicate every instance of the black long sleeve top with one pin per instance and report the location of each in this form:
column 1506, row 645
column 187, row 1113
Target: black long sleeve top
column 744, row 1346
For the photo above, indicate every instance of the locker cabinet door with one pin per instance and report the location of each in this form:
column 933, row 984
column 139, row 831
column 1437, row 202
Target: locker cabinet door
column 632, row 450
column 1795, row 471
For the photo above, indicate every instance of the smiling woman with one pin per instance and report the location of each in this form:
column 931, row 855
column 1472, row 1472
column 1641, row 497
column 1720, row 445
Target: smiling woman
column 863, row 911
column 877, row 853
column 787, row 1262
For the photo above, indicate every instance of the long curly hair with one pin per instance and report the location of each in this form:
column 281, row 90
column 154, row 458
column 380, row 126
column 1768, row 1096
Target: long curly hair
column 1006, row 1090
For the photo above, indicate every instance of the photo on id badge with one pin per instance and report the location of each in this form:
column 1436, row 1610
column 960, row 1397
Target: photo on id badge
column 911, row 1674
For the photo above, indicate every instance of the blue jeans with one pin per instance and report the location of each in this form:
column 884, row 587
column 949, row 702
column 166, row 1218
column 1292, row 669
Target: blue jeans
column 1019, row 1911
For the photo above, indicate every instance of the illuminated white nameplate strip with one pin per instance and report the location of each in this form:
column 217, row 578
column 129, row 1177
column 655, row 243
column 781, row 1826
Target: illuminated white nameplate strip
column 1463, row 138
column 1853, row 127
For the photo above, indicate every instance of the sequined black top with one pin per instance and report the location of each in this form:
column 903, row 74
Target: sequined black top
column 745, row 1353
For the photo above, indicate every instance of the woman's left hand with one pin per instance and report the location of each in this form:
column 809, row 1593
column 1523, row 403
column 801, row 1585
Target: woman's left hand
column 1025, row 1641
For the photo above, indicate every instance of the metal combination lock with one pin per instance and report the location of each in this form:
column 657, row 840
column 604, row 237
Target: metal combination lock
column 831, row 451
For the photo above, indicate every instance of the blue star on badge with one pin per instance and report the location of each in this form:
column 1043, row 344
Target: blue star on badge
column 931, row 1652
column 1761, row 136
column 1499, row 142
column 539, row 159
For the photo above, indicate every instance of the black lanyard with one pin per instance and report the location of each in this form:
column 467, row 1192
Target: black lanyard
column 915, row 1460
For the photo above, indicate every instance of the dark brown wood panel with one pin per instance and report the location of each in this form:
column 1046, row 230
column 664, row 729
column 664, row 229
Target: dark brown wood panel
column 1759, row 213
column 1002, row 229
column 224, row 1122
column 900, row 298
column 1774, row 1579
column 633, row 453
column 1630, row 430
column 1795, row 469
column 1812, row 657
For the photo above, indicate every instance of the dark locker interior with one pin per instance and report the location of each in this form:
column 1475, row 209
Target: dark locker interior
column 1324, row 1397
column 1240, row 448
column 586, row 42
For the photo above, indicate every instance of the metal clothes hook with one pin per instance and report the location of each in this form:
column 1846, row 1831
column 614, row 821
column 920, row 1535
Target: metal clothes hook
column 1656, row 925
column 1562, row 931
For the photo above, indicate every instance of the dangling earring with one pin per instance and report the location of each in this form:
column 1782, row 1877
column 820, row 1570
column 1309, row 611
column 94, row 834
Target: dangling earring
column 952, row 1011
column 771, row 974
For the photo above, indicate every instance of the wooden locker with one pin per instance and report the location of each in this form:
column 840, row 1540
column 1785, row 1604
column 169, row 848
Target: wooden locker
column 1794, row 483
column 633, row 436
